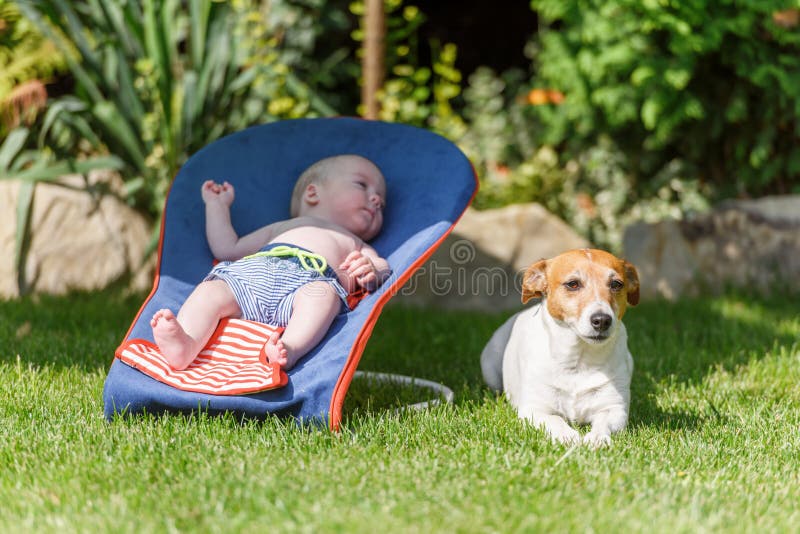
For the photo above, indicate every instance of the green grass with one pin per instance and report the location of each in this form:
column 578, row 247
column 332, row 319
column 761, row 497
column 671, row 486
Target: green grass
column 713, row 442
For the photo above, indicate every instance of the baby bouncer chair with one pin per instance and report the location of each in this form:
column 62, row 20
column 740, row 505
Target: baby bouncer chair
column 429, row 185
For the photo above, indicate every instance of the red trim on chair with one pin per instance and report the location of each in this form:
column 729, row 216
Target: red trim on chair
column 156, row 278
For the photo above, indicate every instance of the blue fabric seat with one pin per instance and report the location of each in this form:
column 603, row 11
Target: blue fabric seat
column 429, row 185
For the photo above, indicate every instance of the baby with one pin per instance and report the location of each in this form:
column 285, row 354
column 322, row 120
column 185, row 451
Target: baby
column 281, row 273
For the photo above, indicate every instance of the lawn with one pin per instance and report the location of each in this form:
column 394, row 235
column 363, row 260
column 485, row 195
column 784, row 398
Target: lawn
column 713, row 442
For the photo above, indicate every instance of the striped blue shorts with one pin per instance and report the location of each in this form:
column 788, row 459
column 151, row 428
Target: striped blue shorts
column 265, row 286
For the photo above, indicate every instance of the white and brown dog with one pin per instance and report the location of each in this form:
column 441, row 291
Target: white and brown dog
column 566, row 358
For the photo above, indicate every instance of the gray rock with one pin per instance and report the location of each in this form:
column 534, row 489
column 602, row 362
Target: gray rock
column 480, row 265
column 78, row 240
column 752, row 244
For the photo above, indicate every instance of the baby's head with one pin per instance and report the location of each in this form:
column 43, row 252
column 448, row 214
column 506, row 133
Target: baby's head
column 348, row 189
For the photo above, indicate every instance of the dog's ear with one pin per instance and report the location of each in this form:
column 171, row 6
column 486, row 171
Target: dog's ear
column 632, row 280
column 534, row 283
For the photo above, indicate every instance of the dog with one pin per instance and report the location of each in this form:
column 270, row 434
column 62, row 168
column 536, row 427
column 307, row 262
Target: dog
column 566, row 358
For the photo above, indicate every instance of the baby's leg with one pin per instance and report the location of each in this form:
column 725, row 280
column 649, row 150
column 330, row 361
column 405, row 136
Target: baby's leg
column 315, row 307
column 181, row 338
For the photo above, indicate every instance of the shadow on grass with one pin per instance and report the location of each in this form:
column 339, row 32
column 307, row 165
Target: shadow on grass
column 672, row 343
column 676, row 342
column 367, row 397
column 76, row 330
column 683, row 342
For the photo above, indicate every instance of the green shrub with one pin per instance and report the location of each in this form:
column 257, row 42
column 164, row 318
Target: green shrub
column 25, row 56
column 415, row 93
column 592, row 189
column 154, row 81
column 599, row 198
column 714, row 84
column 502, row 140
column 157, row 80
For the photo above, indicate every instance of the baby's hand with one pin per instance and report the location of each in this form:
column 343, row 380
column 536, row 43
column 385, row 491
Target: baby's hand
column 213, row 192
column 361, row 269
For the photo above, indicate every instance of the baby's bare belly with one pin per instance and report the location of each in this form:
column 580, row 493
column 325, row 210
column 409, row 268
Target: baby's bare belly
column 330, row 244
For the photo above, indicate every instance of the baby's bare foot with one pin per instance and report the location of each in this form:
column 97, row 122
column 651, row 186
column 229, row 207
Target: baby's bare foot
column 175, row 344
column 276, row 351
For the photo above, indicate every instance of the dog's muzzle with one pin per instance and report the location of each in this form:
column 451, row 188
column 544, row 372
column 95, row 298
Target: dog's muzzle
column 600, row 323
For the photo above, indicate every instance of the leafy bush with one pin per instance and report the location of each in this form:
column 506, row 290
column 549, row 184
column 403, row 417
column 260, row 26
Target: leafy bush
column 714, row 84
column 593, row 190
column 502, row 141
column 639, row 111
column 27, row 62
column 154, row 81
column 158, row 80
column 599, row 198
column 415, row 93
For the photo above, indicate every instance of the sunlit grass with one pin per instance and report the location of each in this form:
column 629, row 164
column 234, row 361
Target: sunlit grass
column 713, row 442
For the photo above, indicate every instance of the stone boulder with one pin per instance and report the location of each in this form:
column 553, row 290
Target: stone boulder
column 480, row 264
column 753, row 244
column 79, row 240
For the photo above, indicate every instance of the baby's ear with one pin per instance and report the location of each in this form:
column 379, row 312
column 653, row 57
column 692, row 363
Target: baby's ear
column 311, row 195
column 534, row 283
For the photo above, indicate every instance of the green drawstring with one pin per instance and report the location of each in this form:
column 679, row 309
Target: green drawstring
column 309, row 260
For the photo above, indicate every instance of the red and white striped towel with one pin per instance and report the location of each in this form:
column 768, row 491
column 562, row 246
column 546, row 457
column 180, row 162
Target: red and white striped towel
column 232, row 362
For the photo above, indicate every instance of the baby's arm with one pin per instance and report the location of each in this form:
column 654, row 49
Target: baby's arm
column 366, row 267
column 223, row 240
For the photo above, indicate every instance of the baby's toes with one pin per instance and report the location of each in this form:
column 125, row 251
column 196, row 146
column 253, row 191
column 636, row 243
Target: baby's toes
column 276, row 352
column 157, row 316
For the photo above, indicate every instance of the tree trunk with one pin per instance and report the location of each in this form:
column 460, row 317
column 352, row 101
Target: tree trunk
column 372, row 62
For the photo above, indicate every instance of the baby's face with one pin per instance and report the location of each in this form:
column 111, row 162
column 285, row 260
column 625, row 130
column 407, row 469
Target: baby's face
column 355, row 193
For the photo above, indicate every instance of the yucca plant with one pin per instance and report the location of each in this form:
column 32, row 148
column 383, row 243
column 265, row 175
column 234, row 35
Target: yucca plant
column 27, row 61
column 158, row 79
column 154, row 81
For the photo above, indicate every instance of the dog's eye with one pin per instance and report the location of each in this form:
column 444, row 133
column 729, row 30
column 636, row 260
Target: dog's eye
column 616, row 285
column 572, row 285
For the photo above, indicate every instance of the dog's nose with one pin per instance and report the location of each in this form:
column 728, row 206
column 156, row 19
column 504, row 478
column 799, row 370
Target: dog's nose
column 600, row 321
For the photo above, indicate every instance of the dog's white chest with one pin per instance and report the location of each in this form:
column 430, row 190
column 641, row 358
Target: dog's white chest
column 539, row 376
column 577, row 395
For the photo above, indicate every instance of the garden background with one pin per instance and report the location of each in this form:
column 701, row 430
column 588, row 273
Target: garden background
column 604, row 112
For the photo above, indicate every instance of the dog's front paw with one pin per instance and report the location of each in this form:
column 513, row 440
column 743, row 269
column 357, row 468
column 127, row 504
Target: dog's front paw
column 597, row 440
column 564, row 435
column 555, row 426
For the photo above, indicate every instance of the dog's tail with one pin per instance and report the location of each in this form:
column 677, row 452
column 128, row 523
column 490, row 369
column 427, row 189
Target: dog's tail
column 492, row 355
